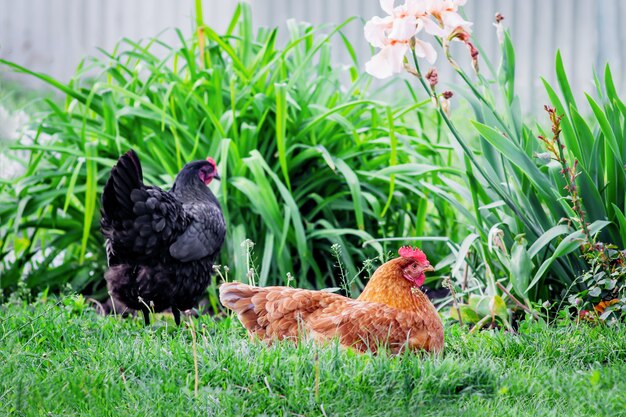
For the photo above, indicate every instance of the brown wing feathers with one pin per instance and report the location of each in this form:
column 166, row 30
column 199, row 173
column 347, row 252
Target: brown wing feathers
column 272, row 312
column 281, row 312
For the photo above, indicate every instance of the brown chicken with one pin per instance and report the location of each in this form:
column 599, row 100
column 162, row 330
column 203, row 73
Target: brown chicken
column 391, row 312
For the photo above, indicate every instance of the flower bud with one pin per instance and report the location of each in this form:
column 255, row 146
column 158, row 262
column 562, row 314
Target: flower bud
column 544, row 157
column 445, row 106
column 432, row 77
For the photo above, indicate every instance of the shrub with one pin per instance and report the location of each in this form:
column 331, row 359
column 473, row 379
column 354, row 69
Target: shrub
column 308, row 158
column 605, row 282
column 533, row 202
column 523, row 188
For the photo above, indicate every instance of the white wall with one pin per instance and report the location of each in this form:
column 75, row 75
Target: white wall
column 52, row 35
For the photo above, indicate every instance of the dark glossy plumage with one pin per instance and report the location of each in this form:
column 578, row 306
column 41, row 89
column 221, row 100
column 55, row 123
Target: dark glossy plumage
column 161, row 245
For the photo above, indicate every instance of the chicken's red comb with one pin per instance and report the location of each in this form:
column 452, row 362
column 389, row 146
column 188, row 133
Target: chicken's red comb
column 416, row 254
column 211, row 161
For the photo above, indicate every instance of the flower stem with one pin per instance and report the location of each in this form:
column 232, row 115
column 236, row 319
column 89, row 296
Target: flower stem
column 472, row 157
column 471, row 86
column 557, row 149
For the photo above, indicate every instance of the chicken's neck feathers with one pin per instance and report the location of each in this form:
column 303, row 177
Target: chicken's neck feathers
column 195, row 194
column 389, row 287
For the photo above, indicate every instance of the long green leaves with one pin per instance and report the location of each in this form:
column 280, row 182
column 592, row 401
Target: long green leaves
column 281, row 126
column 300, row 153
column 513, row 168
column 309, row 160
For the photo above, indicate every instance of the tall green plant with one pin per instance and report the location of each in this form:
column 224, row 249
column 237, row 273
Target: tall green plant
column 307, row 158
column 518, row 171
column 522, row 229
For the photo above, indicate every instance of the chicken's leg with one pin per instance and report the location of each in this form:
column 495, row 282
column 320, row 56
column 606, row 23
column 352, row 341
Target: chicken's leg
column 146, row 315
column 176, row 313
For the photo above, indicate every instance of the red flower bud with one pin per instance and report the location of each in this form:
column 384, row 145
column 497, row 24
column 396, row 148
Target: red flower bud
column 432, row 77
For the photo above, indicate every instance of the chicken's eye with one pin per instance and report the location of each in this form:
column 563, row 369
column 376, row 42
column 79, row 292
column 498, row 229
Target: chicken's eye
column 414, row 266
column 204, row 174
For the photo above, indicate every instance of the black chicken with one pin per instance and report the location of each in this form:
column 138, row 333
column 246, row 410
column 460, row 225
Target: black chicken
column 160, row 245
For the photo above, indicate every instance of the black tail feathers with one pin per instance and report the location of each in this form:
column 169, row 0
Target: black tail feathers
column 126, row 176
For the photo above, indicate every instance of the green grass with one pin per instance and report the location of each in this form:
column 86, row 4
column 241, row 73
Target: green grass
column 60, row 358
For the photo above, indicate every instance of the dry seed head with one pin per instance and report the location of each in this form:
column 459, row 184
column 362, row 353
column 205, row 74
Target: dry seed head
column 247, row 244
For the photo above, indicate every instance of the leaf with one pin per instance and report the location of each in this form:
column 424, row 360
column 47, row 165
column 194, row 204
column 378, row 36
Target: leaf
column 467, row 314
column 595, row 378
column 355, row 189
column 495, row 204
column 91, row 187
column 70, row 188
column 487, row 306
column 568, row 245
column 238, row 259
column 546, row 238
column 238, row 65
column 393, row 160
column 584, row 135
column 595, row 292
column 497, row 307
column 621, row 223
column 605, row 126
column 508, row 66
column 49, row 80
column 561, row 77
column 480, row 304
column 521, row 266
column 571, row 139
column 281, row 122
column 298, row 226
column 268, row 249
column 463, row 251
column 592, row 200
column 511, row 151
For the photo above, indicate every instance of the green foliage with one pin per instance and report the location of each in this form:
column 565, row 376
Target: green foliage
column 308, row 158
column 605, row 280
column 62, row 360
column 482, row 310
column 518, row 187
column 521, row 267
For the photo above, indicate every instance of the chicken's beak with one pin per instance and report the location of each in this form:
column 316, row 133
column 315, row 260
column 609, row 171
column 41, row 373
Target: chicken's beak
column 217, row 176
column 429, row 268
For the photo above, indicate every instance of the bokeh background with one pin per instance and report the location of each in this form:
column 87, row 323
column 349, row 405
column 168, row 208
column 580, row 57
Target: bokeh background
column 52, row 36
